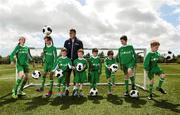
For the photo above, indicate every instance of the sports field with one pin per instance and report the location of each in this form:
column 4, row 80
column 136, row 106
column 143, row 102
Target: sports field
column 34, row 104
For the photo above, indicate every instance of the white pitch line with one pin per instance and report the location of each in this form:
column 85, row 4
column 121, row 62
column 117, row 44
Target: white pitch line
column 4, row 78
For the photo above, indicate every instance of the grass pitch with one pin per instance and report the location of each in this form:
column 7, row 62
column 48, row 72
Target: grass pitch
column 34, row 104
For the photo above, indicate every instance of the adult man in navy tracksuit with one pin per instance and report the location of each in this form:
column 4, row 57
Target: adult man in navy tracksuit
column 73, row 44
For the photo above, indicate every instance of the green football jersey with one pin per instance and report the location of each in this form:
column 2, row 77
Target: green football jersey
column 22, row 54
column 50, row 54
column 151, row 61
column 80, row 60
column 63, row 63
column 126, row 54
column 108, row 62
column 95, row 63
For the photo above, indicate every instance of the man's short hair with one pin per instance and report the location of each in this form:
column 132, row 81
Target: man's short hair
column 72, row 30
column 110, row 52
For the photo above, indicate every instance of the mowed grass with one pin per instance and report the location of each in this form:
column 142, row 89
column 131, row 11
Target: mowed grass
column 117, row 104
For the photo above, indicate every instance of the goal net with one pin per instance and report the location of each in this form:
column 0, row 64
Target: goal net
column 140, row 74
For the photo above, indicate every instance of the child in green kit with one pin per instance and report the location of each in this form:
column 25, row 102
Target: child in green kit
column 49, row 59
column 127, row 59
column 95, row 68
column 110, row 76
column 63, row 63
column 23, row 56
column 80, row 74
column 152, row 68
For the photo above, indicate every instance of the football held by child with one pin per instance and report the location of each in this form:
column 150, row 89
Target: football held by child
column 152, row 68
column 63, row 63
column 110, row 76
column 23, row 56
column 127, row 60
column 80, row 66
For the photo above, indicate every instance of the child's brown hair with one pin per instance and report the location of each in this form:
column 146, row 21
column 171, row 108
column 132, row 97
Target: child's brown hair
column 63, row 49
column 94, row 50
column 81, row 50
column 154, row 43
column 110, row 52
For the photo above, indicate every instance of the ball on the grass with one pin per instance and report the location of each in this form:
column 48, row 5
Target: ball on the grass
column 47, row 30
column 134, row 93
column 114, row 67
column 36, row 74
column 93, row 92
column 79, row 67
column 59, row 73
column 169, row 55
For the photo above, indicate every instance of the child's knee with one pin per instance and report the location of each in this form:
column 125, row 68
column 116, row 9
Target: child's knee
column 163, row 75
column 130, row 72
column 152, row 81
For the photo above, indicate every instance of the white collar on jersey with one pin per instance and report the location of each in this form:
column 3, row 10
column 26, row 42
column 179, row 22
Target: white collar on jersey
column 94, row 56
column 80, row 58
column 49, row 45
column 109, row 58
column 63, row 57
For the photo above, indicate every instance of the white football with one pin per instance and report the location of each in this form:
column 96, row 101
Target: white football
column 114, row 67
column 169, row 55
column 134, row 93
column 79, row 67
column 59, row 73
column 36, row 74
column 47, row 30
column 93, row 92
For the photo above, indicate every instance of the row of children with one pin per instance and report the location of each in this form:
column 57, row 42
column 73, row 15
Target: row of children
column 126, row 58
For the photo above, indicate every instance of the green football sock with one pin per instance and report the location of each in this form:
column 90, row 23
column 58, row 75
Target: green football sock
column 17, row 85
column 132, row 80
column 64, row 88
column 113, row 78
column 23, row 84
column 126, row 85
column 150, row 88
column 109, row 87
column 43, row 82
column 161, row 80
column 51, row 85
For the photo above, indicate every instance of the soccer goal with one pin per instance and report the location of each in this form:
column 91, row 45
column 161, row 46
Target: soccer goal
column 140, row 73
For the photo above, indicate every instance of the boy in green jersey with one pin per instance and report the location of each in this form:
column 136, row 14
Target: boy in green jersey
column 152, row 68
column 49, row 59
column 127, row 60
column 95, row 68
column 63, row 63
column 23, row 55
column 80, row 74
column 110, row 76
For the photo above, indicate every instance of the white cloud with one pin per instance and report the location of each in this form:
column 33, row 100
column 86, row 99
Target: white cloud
column 99, row 23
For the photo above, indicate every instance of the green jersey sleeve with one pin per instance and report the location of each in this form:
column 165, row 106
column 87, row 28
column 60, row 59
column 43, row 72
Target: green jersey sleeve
column 147, row 62
column 15, row 51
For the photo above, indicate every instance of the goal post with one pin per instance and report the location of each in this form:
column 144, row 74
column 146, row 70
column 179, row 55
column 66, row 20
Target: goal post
column 140, row 75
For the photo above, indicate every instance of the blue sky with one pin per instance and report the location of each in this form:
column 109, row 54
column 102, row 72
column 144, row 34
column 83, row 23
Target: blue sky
column 167, row 13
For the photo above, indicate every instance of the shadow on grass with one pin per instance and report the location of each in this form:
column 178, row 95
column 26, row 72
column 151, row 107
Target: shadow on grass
column 95, row 99
column 114, row 99
column 135, row 102
column 7, row 101
column 67, row 101
column 167, row 105
column 36, row 102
